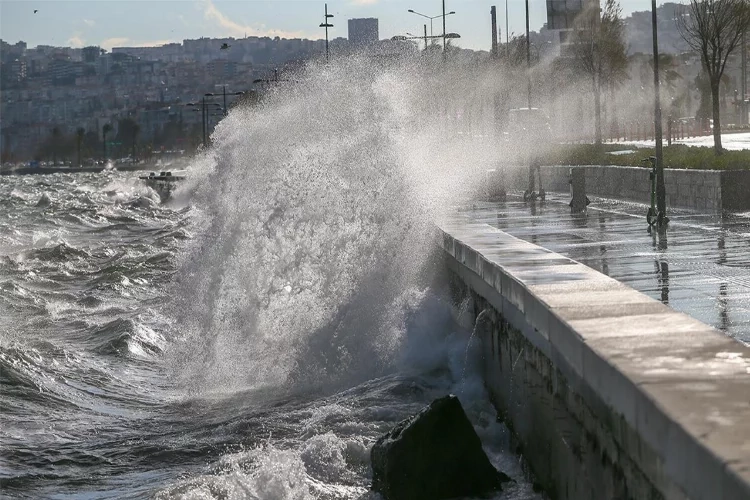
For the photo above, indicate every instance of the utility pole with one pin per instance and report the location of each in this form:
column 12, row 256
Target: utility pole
column 444, row 27
column 507, row 40
column 493, row 17
column 204, row 115
column 528, row 52
column 327, row 25
column 661, row 192
column 425, row 37
column 743, row 108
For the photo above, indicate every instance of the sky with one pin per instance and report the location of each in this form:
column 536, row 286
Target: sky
column 117, row 23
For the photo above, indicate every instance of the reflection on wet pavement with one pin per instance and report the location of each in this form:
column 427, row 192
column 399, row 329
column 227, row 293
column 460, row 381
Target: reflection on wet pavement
column 699, row 266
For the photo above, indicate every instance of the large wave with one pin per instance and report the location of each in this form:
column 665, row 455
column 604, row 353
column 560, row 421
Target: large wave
column 316, row 210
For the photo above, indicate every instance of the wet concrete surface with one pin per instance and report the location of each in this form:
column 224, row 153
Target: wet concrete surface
column 699, row 266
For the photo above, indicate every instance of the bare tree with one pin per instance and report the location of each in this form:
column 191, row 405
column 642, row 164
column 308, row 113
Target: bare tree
column 714, row 28
column 598, row 50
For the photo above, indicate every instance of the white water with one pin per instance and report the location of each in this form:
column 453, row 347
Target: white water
column 316, row 213
column 312, row 284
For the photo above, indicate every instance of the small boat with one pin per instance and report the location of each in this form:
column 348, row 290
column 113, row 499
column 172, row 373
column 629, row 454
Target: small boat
column 164, row 182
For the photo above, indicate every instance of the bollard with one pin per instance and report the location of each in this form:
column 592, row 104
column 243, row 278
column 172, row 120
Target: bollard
column 577, row 179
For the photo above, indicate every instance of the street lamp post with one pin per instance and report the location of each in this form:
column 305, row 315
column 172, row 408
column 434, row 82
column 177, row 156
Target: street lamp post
column 327, row 25
column 204, row 119
column 424, row 36
column 444, row 25
column 661, row 192
column 528, row 54
column 433, row 17
column 401, row 38
column 224, row 95
column 204, row 114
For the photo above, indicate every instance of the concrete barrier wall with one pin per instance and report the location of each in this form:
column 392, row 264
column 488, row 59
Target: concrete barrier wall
column 708, row 190
column 610, row 393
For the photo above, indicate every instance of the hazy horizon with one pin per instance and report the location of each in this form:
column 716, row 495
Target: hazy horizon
column 118, row 23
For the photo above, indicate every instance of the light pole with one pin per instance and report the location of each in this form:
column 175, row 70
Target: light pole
column 433, row 17
column 424, row 36
column 327, row 25
column 401, row 38
column 204, row 114
column 224, row 94
column 528, row 54
column 202, row 104
column 743, row 81
column 443, row 26
column 661, row 192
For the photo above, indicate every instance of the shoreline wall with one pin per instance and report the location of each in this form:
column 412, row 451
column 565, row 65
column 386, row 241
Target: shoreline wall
column 610, row 393
column 706, row 190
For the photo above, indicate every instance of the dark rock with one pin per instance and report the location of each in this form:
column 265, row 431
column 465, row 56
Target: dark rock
column 44, row 201
column 433, row 455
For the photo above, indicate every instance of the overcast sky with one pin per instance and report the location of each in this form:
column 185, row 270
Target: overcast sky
column 111, row 23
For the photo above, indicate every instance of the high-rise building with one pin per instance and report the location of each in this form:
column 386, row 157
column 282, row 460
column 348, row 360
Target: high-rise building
column 363, row 31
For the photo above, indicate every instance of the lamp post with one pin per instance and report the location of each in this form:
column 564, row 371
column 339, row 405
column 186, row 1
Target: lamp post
column 424, row 36
column 224, row 95
column 400, row 38
column 327, row 25
column 528, row 54
column 194, row 105
column 433, row 17
column 204, row 114
column 661, row 192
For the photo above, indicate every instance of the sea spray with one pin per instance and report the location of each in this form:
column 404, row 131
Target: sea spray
column 317, row 208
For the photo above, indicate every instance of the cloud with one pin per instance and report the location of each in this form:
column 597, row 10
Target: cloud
column 127, row 42
column 183, row 20
column 88, row 22
column 117, row 41
column 364, row 2
column 232, row 28
column 76, row 41
column 151, row 43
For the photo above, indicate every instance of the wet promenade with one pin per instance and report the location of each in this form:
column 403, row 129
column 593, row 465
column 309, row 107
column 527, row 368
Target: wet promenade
column 700, row 266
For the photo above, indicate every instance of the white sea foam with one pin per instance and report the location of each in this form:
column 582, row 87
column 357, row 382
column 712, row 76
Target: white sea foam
column 312, row 272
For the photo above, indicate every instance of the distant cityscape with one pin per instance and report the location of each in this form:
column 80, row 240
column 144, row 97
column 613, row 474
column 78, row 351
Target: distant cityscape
column 140, row 101
column 50, row 93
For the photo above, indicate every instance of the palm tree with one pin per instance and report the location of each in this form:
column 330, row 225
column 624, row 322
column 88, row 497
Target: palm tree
column 106, row 129
column 80, row 133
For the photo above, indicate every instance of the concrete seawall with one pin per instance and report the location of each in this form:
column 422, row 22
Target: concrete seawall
column 610, row 393
column 711, row 190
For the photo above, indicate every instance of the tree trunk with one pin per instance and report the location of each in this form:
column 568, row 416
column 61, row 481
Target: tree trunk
column 614, row 131
column 79, row 152
column 597, row 112
column 717, row 122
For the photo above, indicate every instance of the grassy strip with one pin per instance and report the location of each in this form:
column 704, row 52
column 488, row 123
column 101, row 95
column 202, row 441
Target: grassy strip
column 675, row 156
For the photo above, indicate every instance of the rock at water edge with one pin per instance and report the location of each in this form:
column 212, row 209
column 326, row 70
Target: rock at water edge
column 433, row 455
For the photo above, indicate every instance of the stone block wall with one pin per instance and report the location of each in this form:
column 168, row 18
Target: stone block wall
column 703, row 190
column 611, row 394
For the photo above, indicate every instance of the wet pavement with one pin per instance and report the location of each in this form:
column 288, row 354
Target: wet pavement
column 700, row 266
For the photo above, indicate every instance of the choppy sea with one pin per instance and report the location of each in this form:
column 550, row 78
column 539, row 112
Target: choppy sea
column 94, row 403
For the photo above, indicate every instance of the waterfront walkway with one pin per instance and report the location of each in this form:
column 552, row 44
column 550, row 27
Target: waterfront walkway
column 700, row 266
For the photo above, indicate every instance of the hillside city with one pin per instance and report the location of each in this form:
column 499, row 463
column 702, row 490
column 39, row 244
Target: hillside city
column 57, row 98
